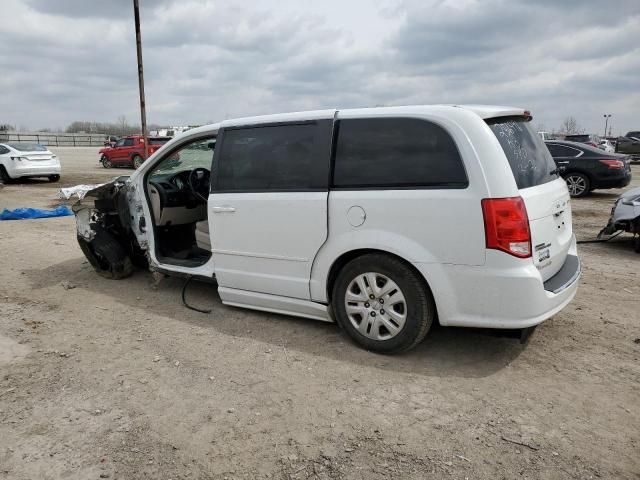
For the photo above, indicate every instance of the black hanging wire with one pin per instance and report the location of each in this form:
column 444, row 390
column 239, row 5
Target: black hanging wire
column 184, row 300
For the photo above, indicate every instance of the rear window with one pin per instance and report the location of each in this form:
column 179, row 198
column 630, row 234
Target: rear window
column 28, row 147
column 528, row 156
column 577, row 138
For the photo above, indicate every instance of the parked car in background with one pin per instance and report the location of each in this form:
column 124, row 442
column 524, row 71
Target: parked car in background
column 384, row 219
column 547, row 136
column 625, row 216
column 629, row 145
column 607, row 145
column 129, row 151
column 586, row 138
column 110, row 141
column 27, row 160
column 586, row 168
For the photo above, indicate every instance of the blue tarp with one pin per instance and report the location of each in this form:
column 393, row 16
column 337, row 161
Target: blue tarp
column 27, row 213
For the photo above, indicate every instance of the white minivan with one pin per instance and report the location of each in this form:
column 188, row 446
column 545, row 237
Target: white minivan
column 382, row 219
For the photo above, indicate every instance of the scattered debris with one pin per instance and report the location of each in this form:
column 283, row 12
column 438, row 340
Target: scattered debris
column 68, row 285
column 156, row 358
column 519, row 442
column 9, row 390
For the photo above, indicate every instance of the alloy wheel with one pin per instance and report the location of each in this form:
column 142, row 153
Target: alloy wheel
column 576, row 184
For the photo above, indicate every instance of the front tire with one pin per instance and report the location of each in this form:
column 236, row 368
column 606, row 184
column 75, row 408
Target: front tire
column 137, row 161
column 578, row 184
column 106, row 255
column 54, row 178
column 382, row 304
column 106, row 163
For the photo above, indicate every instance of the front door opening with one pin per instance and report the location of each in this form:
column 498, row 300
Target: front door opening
column 177, row 190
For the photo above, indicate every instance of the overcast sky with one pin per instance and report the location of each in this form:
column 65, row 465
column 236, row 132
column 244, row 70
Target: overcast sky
column 66, row 60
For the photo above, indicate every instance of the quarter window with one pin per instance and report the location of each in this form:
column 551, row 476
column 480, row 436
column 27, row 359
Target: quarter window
column 562, row 151
column 293, row 157
column 396, row 153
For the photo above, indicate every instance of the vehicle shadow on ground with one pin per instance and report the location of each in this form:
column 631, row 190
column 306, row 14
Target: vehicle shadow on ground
column 446, row 351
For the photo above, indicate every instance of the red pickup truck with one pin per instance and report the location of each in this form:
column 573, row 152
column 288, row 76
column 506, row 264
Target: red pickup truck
column 129, row 151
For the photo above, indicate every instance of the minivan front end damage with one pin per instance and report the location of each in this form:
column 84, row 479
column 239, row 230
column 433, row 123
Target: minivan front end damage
column 104, row 226
column 625, row 216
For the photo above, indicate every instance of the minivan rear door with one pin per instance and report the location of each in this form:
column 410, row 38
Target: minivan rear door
column 268, row 205
column 544, row 192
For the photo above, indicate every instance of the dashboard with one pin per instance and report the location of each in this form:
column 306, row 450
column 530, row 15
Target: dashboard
column 174, row 190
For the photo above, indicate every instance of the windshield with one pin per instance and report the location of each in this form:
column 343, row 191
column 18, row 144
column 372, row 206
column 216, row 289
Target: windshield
column 528, row 156
column 190, row 156
column 27, row 147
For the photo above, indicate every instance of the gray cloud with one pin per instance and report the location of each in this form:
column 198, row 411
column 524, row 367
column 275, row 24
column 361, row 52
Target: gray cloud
column 207, row 60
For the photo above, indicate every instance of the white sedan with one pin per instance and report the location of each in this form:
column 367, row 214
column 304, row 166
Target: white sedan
column 607, row 146
column 27, row 160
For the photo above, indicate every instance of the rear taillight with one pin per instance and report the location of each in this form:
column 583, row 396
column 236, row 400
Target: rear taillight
column 506, row 225
column 613, row 164
column 592, row 144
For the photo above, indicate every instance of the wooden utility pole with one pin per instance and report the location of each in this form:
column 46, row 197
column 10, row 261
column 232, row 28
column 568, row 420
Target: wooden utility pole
column 143, row 112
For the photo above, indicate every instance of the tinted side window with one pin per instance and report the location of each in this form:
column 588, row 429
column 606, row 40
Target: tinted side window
column 396, row 153
column 562, row 151
column 128, row 142
column 291, row 157
column 3, row 150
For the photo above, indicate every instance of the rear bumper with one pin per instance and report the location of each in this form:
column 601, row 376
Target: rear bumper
column 618, row 182
column 505, row 295
column 32, row 169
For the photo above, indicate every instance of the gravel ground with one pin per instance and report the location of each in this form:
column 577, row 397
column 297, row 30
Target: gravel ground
column 116, row 379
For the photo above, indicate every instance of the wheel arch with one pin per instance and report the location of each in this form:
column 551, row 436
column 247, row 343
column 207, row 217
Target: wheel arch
column 350, row 255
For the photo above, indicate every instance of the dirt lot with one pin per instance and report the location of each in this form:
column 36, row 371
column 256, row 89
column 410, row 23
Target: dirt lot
column 116, row 379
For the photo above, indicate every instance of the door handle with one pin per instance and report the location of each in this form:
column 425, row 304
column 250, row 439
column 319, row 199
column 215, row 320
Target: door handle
column 223, row 209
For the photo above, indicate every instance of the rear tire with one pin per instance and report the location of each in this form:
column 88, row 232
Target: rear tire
column 394, row 312
column 106, row 163
column 578, row 184
column 137, row 161
column 106, row 255
column 54, row 178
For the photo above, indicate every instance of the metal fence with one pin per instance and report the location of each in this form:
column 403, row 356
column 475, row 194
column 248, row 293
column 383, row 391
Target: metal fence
column 55, row 139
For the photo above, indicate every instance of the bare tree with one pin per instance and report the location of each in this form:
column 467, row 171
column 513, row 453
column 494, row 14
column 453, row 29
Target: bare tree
column 569, row 126
column 122, row 123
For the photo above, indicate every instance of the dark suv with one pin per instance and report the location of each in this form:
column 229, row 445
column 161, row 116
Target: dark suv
column 587, row 168
column 586, row 138
column 629, row 145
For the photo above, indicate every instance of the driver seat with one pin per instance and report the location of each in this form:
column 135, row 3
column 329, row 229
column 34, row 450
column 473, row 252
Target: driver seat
column 203, row 240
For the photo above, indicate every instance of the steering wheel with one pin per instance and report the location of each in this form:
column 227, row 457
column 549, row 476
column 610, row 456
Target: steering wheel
column 198, row 181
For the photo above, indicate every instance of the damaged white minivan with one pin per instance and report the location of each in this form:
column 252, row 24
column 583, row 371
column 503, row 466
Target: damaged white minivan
column 383, row 219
